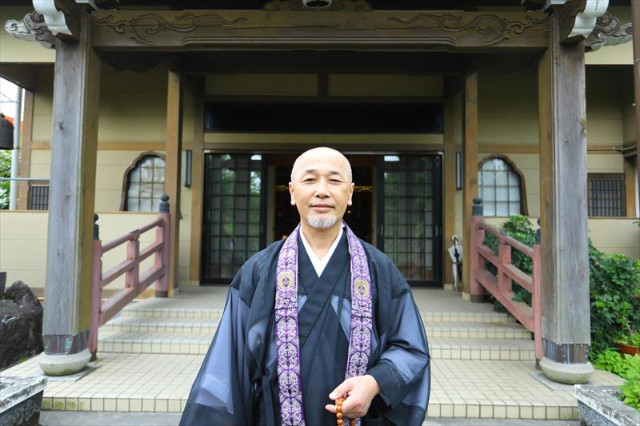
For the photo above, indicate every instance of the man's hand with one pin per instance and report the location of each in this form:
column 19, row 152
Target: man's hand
column 358, row 392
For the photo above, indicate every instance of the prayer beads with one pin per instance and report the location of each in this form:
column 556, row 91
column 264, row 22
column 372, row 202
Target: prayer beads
column 339, row 416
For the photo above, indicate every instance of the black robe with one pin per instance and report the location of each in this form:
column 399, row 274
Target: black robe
column 237, row 383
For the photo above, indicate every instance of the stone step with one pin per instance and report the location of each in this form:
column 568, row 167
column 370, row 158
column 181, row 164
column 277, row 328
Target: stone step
column 145, row 311
column 467, row 317
column 154, row 342
column 198, row 343
column 496, row 330
column 477, row 330
column 162, row 325
column 481, row 349
column 151, row 311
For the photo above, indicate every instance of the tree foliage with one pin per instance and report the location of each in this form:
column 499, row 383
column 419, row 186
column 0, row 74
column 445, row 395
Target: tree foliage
column 5, row 172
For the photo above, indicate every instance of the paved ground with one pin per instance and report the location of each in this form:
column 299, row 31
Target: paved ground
column 483, row 369
column 69, row 418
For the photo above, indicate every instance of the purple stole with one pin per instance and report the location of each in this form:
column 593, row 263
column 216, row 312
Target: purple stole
column 286, row 326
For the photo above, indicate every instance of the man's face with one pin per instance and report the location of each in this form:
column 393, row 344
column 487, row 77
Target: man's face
column 321, row 188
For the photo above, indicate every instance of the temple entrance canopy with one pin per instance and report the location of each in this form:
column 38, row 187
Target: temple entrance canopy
column 449, row 40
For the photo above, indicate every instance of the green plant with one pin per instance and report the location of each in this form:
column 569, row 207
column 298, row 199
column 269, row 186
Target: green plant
column 629, row 339
column 615, row 303
column 5, row 172
column 611, row 361
column 627, row 367
column 518, row 227
column 631, row 388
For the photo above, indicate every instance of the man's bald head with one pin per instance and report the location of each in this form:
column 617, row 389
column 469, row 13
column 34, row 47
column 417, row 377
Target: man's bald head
column 320, row 152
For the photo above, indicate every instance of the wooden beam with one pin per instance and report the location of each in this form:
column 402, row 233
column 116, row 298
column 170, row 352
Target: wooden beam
column 487, row 148
column 24, row 168
column 71, row 198
column 635, row 15
column 197, row 30
column 630, row 185
column 448, row 188
column 197, row 191
column 470, row 153
column 173, row 169
column 563, row 205
column 20, row 74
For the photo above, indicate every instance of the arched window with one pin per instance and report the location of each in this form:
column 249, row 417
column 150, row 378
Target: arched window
column 501, row 187
column 144, row 184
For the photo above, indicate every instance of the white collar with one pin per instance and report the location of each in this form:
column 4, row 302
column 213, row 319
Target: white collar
column 319, row 264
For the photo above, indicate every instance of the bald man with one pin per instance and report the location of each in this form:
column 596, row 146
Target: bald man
column 319, row 316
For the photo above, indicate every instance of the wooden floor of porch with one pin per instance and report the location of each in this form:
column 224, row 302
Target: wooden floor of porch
column 483, row 364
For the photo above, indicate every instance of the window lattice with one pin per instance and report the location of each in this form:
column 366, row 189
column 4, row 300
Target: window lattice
column 145, row 185
column 39, row 197
column 499, row 187
column 606, row 195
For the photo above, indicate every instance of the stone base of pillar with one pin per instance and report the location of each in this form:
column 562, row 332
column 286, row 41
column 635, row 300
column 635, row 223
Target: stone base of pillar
column 62, row 365
column 571, row 374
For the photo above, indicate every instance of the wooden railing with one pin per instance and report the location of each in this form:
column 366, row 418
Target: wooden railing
column 500, row 284
column 135, row 282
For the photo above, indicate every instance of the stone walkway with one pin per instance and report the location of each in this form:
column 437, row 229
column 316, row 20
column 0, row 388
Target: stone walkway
column 482, row 361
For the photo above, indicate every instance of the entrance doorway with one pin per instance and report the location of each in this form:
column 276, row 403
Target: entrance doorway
column 396, row 207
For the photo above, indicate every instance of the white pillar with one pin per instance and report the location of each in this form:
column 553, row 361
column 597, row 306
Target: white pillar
column 15, row 155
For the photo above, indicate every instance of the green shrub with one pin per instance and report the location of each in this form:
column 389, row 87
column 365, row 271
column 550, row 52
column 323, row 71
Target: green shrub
column 615, row 298
column 627, row 367
column 611, row 361
column 631, row 388
column 5, row 172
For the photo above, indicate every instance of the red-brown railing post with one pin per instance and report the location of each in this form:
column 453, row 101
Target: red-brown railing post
column 504, row 282
column 162, row 258
column 475, row 260
column 132, row 276
column 96, row 290
column 536, row 303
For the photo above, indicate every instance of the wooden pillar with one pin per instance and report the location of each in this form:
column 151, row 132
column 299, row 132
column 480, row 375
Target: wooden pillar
column 448, row 188
column 197, row 190
column 24, row 167
column 564, row 238
column 635, row 17
column 470, row 154
column 173, row 169
column 630, row 185
column 76, row 89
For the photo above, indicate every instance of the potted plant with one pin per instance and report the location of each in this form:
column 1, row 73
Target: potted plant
column 628, row 343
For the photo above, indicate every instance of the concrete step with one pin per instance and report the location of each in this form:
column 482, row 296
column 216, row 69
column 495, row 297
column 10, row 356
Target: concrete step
column 481, row 349
column 467, row 317
column 161, row 325
column 146, row 311
column 154, row 342
column 185, row 325
column 142, row 310
column 510, row 330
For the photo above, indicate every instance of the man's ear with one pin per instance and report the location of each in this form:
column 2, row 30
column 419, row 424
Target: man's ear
column 293, row 201
column 350, row 202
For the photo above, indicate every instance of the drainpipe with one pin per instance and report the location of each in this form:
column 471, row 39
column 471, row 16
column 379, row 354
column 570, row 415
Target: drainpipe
column 635, row 19
column 15, row 154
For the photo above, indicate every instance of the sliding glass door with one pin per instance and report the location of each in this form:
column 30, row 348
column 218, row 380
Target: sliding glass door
column 233, row 214
column 409, row 219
